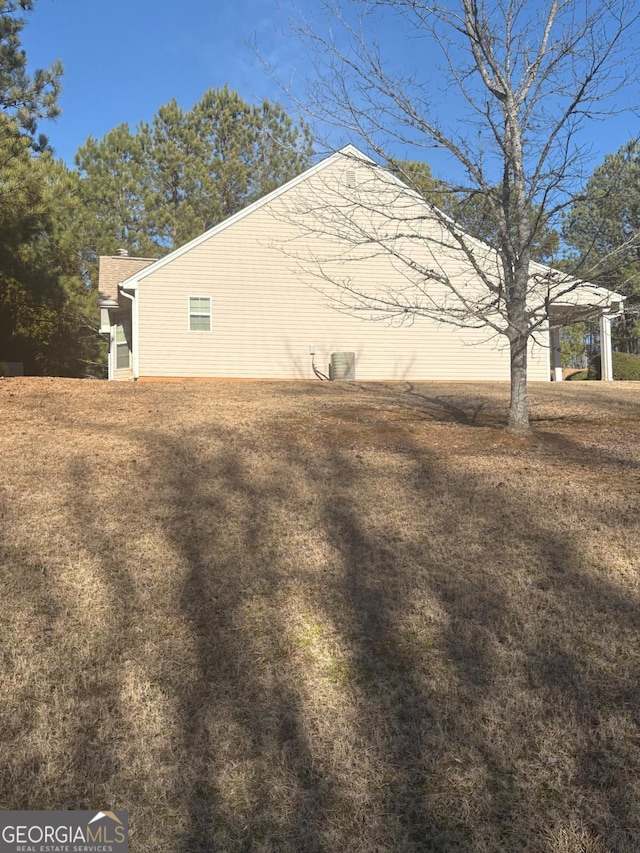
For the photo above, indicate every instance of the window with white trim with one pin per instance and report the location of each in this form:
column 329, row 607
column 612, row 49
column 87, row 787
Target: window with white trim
column 123, row 344
column 199, row 313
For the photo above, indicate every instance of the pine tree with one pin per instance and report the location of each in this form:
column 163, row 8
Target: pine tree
column 155, row 189
column 47, row 310
column 603, row 227
column 178, row 187
column 114, row 179
column 24, row 98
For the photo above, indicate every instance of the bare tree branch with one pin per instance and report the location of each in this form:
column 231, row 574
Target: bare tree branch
column 527, row 76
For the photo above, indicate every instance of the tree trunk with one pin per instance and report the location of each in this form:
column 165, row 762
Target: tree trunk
column 518, row 407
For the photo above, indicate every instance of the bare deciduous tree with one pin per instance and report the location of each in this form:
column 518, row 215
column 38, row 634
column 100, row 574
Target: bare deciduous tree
column 525, row 78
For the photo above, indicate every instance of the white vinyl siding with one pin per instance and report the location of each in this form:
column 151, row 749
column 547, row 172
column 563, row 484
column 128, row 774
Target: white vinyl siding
column 199, row 313
column 270, row 308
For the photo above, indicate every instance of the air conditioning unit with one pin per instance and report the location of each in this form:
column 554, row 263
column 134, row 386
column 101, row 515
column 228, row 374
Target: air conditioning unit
column 342, row 366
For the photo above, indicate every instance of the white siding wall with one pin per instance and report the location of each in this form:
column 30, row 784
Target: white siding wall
column 267, row 309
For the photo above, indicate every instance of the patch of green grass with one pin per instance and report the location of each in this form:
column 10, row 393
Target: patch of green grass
column 342, row 673
column 306, row 638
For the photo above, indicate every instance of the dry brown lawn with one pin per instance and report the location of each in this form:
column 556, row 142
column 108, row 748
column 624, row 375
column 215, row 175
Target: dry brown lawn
column 313, row 617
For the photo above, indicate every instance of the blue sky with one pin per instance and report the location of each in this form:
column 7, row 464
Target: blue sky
column 124, row 58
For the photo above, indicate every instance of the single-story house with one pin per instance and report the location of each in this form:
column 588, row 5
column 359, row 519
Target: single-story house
column 258, row 294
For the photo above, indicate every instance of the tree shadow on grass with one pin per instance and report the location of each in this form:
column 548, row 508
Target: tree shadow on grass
column 474, row 414
column 484, row 660
column 465, row 677
column 433, row 407
column 30, row 613
column 77, row 603
column 574, row 451
column 251, row 781
column 486, row 404
column 540, row 659
column 112, row 638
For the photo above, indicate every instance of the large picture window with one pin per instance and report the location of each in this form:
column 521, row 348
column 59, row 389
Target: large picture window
column 199, row 313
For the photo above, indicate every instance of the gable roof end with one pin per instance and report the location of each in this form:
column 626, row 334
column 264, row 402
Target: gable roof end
column 601, row 294
column 348, row 151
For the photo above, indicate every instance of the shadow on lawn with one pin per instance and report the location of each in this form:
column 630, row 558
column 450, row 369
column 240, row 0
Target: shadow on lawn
column 99, row 723
column 250, row 779
column 480, row 688
column 68, row 700
column 514, row 721
column 475, row 414
column 27, row 600
column 474, row 404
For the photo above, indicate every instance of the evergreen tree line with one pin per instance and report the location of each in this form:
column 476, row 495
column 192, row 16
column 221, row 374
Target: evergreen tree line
column 150, row 189
column 146, row 190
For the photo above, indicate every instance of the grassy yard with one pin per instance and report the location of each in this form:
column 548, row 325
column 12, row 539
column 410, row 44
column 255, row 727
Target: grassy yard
column 312, row 617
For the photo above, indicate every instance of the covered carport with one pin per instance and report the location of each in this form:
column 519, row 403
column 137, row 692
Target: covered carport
column 606, row 306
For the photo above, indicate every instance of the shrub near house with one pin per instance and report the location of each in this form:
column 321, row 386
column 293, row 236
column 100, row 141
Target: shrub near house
column 625, row 366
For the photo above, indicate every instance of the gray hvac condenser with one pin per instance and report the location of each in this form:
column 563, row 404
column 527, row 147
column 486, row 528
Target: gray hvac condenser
column 343, row 365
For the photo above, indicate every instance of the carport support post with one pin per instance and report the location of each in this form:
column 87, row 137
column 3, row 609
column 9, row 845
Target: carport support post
column 556, row 355
column 606, row 353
